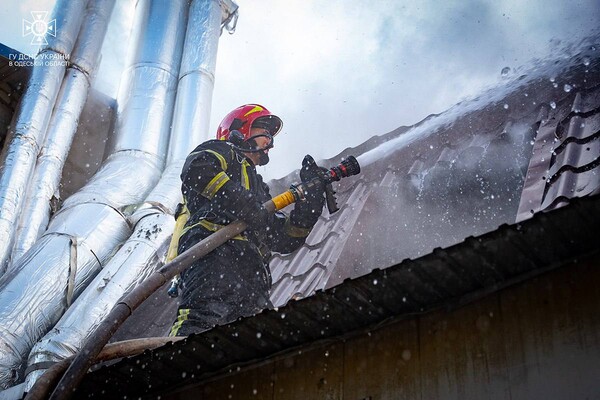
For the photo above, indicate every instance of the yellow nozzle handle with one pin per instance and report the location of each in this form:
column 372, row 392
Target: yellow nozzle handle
column 283, row 200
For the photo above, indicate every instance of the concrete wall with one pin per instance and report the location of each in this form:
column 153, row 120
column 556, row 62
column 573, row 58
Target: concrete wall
column 536, row 340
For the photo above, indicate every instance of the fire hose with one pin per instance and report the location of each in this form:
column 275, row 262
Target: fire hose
column 125, row 307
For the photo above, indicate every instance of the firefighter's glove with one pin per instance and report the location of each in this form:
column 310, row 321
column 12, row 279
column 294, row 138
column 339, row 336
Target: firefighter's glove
column 307, row 211
column 242, row 204
column 310, row 170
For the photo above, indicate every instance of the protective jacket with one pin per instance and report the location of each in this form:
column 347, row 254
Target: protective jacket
column 233, row 280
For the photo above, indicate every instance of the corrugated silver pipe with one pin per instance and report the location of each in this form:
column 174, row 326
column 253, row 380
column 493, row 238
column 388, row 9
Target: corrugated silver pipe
column 84, row 235
column 154, row 221
column 29, row 128
column 63, row 125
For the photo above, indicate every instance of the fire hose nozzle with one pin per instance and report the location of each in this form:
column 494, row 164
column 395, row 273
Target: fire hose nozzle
column 347, row 167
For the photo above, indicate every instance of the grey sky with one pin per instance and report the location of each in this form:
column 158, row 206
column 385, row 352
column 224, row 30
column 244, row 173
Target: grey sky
column 339, row 71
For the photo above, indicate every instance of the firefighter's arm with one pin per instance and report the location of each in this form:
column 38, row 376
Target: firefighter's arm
column 243, row 204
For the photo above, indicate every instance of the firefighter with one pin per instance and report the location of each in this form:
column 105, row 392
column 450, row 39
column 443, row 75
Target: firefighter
column 220, row 184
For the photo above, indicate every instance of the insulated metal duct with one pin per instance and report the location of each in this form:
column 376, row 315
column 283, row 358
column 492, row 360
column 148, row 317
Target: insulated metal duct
column 139, row 256
column 63, row 125
column 86, row 232
column 31, row 119
column 197, row 77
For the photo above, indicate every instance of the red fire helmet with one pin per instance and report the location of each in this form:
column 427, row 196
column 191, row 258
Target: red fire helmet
column 247, row 116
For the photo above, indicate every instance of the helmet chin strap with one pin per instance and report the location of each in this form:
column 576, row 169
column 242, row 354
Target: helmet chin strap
column 236, row 140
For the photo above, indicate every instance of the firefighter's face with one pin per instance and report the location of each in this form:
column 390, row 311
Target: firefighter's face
column 260, row 141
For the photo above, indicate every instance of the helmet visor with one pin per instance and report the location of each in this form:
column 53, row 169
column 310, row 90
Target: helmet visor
column 272, row 123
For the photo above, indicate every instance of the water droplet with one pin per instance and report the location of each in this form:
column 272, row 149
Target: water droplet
column 506, row 106
column 553, row 105
column 183, row 374
column 567, row 88
column 505, row 71
column 258, row 335
column 586, row 61
column 374, row 281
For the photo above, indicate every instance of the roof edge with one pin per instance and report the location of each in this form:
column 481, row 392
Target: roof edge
column 357, row 304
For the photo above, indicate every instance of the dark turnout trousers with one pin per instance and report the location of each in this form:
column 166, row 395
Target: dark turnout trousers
column 228, row 283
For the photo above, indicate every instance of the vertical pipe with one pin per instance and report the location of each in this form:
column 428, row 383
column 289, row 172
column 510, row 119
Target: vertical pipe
column 196, row 79
column 63, row 125
column 32, row 117
column 84, row 235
